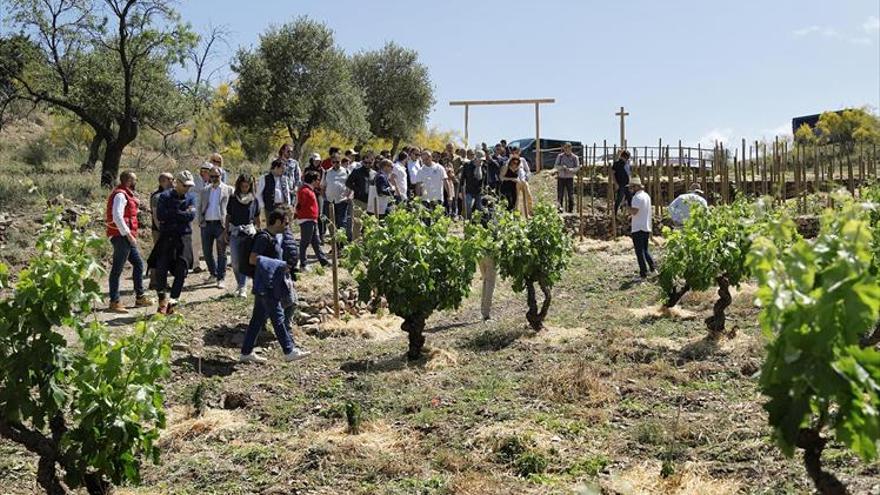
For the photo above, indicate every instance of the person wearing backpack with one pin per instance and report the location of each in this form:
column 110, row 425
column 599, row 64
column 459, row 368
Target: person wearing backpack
column 273, row 291
column 243, row 219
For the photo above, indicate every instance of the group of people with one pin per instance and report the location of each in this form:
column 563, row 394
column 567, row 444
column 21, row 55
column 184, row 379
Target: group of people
column 203, row 215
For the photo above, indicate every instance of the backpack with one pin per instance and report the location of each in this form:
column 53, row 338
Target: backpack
column 247, row 244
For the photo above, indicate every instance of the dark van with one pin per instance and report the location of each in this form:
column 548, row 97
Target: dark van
column 549, row 149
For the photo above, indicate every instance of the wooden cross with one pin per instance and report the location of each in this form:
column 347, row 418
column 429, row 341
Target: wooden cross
column 622, row 114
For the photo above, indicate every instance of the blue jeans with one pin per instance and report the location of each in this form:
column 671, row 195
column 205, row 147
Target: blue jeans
column 640, row 243
column 212, row 233
column 342, row 218
column 235, row 247
column 472, row 203
column 308, row 235
column 267, row 308
column 124, row 251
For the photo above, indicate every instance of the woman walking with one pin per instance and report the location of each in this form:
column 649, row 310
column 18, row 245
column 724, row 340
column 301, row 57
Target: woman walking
column 243, row 218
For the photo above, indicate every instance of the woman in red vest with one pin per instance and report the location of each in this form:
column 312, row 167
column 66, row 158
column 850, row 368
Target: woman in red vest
column 121, row 219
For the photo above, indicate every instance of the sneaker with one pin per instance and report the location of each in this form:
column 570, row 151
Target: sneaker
column 117, row 307
column 324, row 263
column 296, row 354
column 305, row 269
column 143, row 302
column 241, row 292
column 169, row 308
column 210, row 279
column 251, row 358
column 221, row 284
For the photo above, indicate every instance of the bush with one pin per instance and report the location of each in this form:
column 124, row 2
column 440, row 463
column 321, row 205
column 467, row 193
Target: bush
column 93, row 412
column 412, row 260
column 36, row 153
column 532, row 251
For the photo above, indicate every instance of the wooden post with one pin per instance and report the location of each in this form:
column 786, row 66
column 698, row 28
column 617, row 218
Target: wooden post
column 580, row 204
column 849, row 174
column 335, row 258
column 537, row 137
column 702, row 168
column 743, row 165
column 610, row 195
column 593, row 180
column 466, row 109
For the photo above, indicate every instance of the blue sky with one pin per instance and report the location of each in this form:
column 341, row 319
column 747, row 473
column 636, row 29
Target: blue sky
column 687, row 70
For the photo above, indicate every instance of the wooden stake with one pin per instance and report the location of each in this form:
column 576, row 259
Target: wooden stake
column 335, row 258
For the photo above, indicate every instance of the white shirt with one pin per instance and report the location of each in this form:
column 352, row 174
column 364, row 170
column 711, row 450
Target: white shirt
column 334, row 185
column 119, row 203
column 212, row 212
column 398, row 174
column 680, row 208
column 432, row 178
column 375, row 200
column 526, row 172
column 414, row 168
column 641, row 221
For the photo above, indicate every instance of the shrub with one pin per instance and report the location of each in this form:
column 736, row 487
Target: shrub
column 412, row 260
column 36, row 153
column 533, row 251
column 819, row 298
column 93, row 412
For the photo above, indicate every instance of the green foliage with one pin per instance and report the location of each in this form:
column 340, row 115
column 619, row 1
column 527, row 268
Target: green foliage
column 818, row 299
column 101, row 405
column 535, row 250
column 298, row 79
column 805, row 135
column 413, row 261
column 397, row 91
column 36, row 152
column 856, row 125
column 530, row 462
column 590, row 466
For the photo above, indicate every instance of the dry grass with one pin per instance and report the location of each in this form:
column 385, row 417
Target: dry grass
column 438, row 359
column 584, row 383
column 659, row 311
column 691, row 479
column 366, row 326
column 558, row 335
column 214, row 423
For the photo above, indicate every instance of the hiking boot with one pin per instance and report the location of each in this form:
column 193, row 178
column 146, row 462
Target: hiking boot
column 296, row 354
column 117, row 307
column 143, row 302
column 251, row 358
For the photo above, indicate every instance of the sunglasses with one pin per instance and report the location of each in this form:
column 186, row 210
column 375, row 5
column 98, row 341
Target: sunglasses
column 215, row 176
column 335, row 162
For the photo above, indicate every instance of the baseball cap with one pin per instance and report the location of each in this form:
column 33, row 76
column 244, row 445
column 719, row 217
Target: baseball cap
column 480, row 154
column 316, row 156
column 206, row 166
column 166, row 175
column 185, row 177
column 695, row 188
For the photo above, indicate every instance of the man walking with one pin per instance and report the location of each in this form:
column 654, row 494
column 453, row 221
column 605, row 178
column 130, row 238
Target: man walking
column 640, row 210
column 165, row 183
column 173, row 253
column 120, row 216
column 473, row 175
column 622, row 173
column 338, row 195
column 292, row 172
column 567, row 167
column 213, row 201
column 432, row 178
column 358, row 182
column 274, row 189
column 273, row 288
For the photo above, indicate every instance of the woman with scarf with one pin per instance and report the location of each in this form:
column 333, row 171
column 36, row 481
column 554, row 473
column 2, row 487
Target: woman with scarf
column 243, row 218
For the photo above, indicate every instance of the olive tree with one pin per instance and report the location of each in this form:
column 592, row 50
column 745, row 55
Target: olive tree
column 397, row 91
column 107, row 62
column 413, row 261
column 533, row 251
column 297, row 79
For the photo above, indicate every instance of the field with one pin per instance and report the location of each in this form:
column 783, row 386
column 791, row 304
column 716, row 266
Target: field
column 612, row 394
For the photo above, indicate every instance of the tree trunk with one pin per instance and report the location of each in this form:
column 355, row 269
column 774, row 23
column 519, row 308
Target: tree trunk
column 394, row 145
column 110, row 164
column 715, row 323
column 532, row 315
column 47, row 477
column 414, row 326
column 548, row 297
column 812, row 443
column 676, row 295
column 94, row 152
column 97, row 485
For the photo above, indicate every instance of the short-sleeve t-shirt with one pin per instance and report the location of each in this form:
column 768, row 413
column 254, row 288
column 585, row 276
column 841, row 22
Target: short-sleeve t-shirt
column 641, row 221
column 432, row 178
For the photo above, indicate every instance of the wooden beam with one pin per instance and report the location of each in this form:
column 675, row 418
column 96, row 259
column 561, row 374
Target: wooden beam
column 537, row 137
column 460, row 103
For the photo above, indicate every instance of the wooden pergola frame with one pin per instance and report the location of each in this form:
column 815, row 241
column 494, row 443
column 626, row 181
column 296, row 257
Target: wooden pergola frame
column 535, row 101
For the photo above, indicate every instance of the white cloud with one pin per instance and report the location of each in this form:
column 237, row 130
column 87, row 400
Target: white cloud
column 780, row 130
column 716, row 135
column 872, row 25
column 869, row 27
